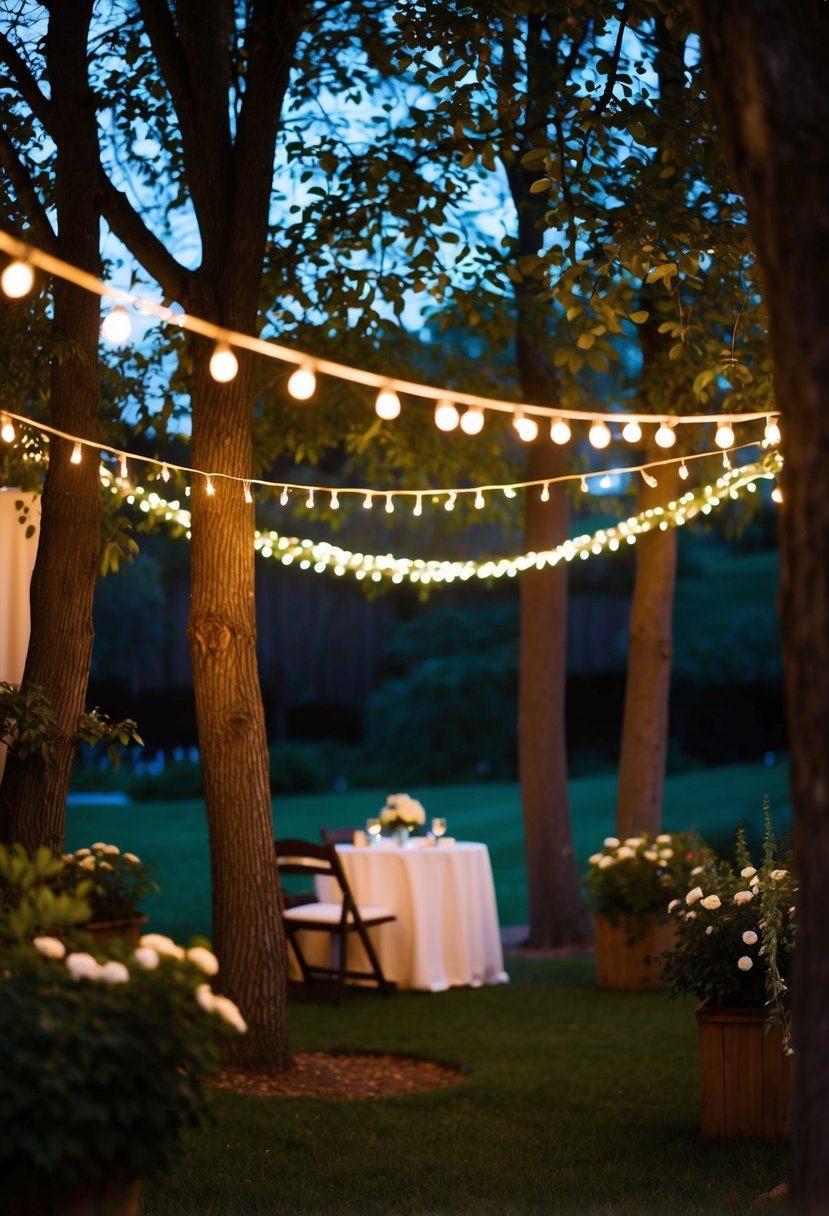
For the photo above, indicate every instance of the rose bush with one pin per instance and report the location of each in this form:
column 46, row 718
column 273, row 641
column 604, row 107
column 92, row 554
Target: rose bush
column 116, row 883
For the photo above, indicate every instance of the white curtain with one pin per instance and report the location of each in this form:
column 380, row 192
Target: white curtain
column 17, row 558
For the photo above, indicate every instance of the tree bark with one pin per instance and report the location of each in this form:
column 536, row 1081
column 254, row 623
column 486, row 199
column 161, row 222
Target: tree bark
column 767, row 70
column 33, row 793
column 650, row 650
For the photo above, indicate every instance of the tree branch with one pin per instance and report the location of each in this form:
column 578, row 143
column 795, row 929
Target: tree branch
column 30, row 90
column 27, row 196
column 153, row 254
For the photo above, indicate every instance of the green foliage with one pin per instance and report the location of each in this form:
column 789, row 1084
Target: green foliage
column 632, row 881
column 28, row 725
column 735, row 933
column 115, row 883
column 34, row 897
column 95, row 727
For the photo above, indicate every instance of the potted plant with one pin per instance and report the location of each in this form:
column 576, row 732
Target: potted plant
column 735, row 931
column 101, row 1058
column 401, row 815
column 629, row 884
column 114, row 884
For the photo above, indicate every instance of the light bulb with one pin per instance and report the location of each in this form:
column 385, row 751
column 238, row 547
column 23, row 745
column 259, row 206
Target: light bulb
column 335, row 500
column 724, row 437
column 387, row 405
column 6, row 429
column 309, row 501
column 527, row 428
column 559, row 431
column 599, row 434
column 665, row 436
column 683, row 471
column 116, row 326
column 17, row 280
column 165, row 473
column 772, row 432
column 211, row 490
column 302, row 383
column 77, row 453
column 367, row 501
column 446, row 415
column 247, row 493
column 223, row 363
column 479, row 500
column 777, row 494
column 631, row 432
column 545, row 493
column 389, row 504
column 472, row 420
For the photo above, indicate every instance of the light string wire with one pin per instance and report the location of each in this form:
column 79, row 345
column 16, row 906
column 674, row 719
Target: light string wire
column 50, row 264
column 322, row 556
column 368, row 494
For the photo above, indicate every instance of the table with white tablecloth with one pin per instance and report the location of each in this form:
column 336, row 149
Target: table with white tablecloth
column 446, row 932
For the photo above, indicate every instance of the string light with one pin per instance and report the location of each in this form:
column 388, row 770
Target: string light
column 247, row 493
column 726, row 463
column 560, row 431
column 6, row 429
column 545, row 492
column 17, row 279
column 447, row 416
column 599, row 434
column 665, row 436
column 335, row 500
column 367, row 501
column 211, row 489
column 387, row 405
column 509, row 492
column 223, row 363
column 649, row 481
column 724, row 437
column 283, row 497
column 631, row 432
column 165, row 473
column 479, row 500
column 124, row 468
column 389, row 504
column 777, row 494
column 77, row 453
column 309, row 501
column 683, row 471
column 583, row 485
column 116, row 326
column 606, row 482
column 302, row 383
column 472, row 420
column 418, row 507
column 526, row 427
column 771, row 435
column 449, row 505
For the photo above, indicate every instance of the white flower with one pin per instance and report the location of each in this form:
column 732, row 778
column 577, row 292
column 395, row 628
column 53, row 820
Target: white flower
column 710, row 930
column 750, row 937
column 690, row 916
column 650, row 854
column 88, row 863
column 606, row 861
column 674, row 904
column 111, row 849
column 742, row 897
column 711, row 902
column 778, row 874
column 205, row 998
column 745, row 963
column 748, row 872
column 113, row 972
column 205, row 960
column 164, row 945
column 625, row 852
column 82, row 852
column 754, row 882
column 664, row 838
column 146, row 957
column 694, row 895
column 136, row 861
column 666, row 854
column 51, row 947
column 229, row 1013
column 100, row 845
column 104, row 865
column 402, row 807
column 696, row 870
column 594, row 859
column 611, row 842
column 633, row 842
column 82, row 966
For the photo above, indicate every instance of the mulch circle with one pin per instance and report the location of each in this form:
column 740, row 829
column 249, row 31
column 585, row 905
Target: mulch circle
column 318, row 1074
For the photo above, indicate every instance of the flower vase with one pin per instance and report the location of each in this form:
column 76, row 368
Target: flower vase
column 401, row 837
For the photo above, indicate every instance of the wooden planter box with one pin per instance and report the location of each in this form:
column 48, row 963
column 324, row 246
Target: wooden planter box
column 622, row 964
column 745, row 1076
column 129, row 931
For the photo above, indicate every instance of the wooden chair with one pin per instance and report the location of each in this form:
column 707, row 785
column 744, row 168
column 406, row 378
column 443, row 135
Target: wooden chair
column 339, row 919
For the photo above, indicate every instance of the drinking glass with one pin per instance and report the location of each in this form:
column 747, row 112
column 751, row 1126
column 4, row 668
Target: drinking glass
column 373, row 827
column 438, row 828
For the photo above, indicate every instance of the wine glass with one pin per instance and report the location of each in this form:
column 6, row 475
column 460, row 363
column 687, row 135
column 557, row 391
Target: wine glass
column 438, row 828
column 373, row 827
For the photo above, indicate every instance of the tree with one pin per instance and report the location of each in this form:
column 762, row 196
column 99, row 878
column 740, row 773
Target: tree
column 767, row 72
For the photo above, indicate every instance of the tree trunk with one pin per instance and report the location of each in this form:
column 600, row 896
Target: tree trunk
column 557, row 915
column 33, row 794
column 650, row 637
column 767, row 71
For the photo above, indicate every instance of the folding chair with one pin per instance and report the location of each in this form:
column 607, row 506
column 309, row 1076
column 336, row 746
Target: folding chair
column 338, row 919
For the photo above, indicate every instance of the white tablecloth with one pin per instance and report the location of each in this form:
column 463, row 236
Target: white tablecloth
column 446, row 932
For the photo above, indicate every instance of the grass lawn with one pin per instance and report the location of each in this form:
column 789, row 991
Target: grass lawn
column 576, row 1101
column 174, row 834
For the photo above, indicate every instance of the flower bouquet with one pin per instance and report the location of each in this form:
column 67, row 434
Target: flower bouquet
column 101, row 1058
column 402, row 813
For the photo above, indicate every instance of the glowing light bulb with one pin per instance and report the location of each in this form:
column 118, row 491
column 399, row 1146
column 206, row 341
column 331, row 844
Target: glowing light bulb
column 6, row 429
column 479, row 500
column 309, row 501
column 771, row 434
column 599, row 434
column 367, row 501
column 545, row 493
column 472, row 420
column 389, row 504
column 211, row 489
column 449, row 505
column 446, row 415
column 418, row 507
column 631, row 432
column 777, row 494
column 165, row 473
column 77, row 453
column 560, row 431
column 302, row 383
column 335, row 500
column 223, row 363
column 387, row 405
column 283, row 497
column 724, row 437
column 124, row 469
column 665, row 436
column 17, row 280
column 247, row 493
column 116, row 326
column 527, row 428
column 683, row 471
